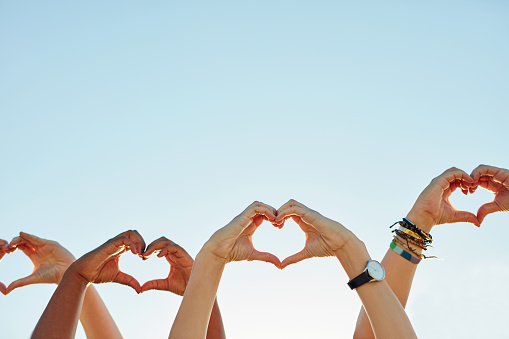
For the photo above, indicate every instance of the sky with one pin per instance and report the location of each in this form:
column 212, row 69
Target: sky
column 171, row 117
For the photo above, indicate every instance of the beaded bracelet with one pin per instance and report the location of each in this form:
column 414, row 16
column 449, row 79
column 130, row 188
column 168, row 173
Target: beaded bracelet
column 408, row 256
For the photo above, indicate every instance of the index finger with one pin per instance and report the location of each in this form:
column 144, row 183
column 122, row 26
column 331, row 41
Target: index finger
column 445, row 179
column 157, row 245
column 136, row 238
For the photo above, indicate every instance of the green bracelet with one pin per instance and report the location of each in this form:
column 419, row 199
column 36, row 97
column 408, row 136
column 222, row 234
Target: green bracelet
column 407, row 255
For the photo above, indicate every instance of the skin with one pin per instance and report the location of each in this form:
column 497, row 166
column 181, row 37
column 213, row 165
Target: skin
column 495, row 180
column 4, row 249
column 51, row 260
column 325, row 237
column 431, row 208
column 231, row 243
column 60, row 318
column 181, row 265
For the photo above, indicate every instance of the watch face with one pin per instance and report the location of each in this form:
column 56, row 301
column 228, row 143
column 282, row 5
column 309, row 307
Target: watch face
column 376, row 270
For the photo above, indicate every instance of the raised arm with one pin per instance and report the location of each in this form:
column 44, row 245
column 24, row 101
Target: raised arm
column 51, row 260
column 181, row 265
column 231, row 243
column 326, row 237
column 60, row 318
column 431, row 208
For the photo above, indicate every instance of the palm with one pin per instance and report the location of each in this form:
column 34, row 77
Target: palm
column 107, row 271
column 315, row 245
column 243, row 247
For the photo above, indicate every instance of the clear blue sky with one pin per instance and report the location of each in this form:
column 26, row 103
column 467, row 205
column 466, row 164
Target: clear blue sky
column 171, row 117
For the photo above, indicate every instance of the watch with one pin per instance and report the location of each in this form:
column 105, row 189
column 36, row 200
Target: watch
column 374, row 271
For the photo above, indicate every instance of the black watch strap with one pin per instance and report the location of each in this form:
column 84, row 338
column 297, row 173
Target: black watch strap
column 360, row 280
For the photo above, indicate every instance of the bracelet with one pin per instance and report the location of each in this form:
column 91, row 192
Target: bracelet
column 404, row 254
column 411, row 226
column 419, row 255
column 413, row 240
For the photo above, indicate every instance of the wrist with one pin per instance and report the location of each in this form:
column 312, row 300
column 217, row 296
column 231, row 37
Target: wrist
column 75, row 276
column 353, row 256
column 421, row 219
column 209, row 258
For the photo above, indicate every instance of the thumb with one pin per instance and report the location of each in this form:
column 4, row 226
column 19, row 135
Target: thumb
column 30, row 280
column 3, row 289
column 157, row 284
column 126, row 279
column 486, row 209
column 295, row 258
column 462, row 216
column 267, row 257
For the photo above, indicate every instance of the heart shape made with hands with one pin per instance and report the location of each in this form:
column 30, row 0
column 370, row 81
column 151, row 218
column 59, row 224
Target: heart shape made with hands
column 471, row 202
column 10, row 266
column 144, row 270
column 282, row 242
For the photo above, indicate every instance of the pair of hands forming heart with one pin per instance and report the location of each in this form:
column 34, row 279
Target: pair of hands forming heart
column 433, row 207
column 51, row 260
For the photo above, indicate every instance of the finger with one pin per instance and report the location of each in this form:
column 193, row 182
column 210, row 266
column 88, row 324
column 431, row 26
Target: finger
column 143, row 245
column 259, row 208
column 157, row 245
column 304, row 214
column 486, row 209
column 483, row 170
column 462, row 216
column 171, row 250
column 121, row 242
column 267, row 257
column 126, row 279
column 290, row 203
column 16, row 241
column 295, row 258
column 32, row 239
column 3, row 289
column 451, row 175
column 157, row 284
column 30, row 280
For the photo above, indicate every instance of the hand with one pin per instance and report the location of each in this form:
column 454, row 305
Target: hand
column 181, row 265
column 50, row 260
column 101, row 264
column 4, row 249
column 324, row 237
column 433, row 207
column 495, row 180
column 234, row 241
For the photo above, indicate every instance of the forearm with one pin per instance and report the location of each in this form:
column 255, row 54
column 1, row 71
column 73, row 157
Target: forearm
column 195, row 311
column 385, row 315
column 399, row 274
column 60, row 318
column 216, row 328
column 95, row 318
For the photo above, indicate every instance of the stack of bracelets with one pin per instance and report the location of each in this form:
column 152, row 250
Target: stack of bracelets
column 410, row 234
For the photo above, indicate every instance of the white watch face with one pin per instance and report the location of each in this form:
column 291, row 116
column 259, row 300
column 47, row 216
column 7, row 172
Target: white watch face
column 376, row 270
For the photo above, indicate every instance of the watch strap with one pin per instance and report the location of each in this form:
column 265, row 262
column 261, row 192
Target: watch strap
column 360, row 280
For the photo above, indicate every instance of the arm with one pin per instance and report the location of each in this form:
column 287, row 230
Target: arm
column 431, row 208
column 231, row 243
column 60, row 318
column 51, row 260
column 181, row 265
column 326, row 237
